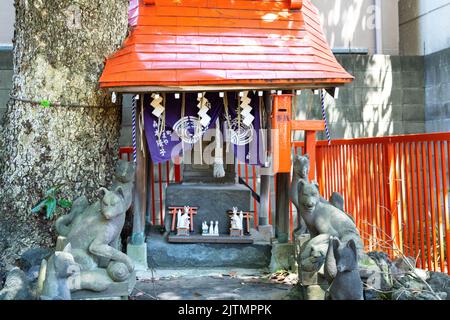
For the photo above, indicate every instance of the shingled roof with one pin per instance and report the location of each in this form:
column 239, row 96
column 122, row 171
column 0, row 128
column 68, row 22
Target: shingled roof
column 185, row 44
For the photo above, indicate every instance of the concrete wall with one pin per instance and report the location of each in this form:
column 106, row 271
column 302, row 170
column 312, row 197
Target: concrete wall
column 386, row 98
column 425, row 30
column 424, row 26
column 7, row 16
column 352, row 24
column 437, row 91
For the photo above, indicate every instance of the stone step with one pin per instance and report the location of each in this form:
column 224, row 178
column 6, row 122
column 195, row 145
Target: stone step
column 162, row 254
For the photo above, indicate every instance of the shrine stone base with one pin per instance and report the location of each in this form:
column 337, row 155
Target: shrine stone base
column 117, row 290
column 162, row 254
column 283, row 257
column 312, row 292
column 138, row 253
column 213, row 202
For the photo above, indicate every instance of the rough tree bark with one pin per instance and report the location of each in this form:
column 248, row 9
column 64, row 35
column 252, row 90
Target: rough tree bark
column 59, row 52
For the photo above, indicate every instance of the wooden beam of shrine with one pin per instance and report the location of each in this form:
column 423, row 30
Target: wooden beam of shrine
column 308, row 125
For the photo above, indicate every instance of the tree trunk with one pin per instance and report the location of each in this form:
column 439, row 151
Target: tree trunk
column 59, row 52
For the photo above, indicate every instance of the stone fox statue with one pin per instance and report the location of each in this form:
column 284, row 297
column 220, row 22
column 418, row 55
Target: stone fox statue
column 93, row 230
column 59, row 267
column 124, row 177
column 300, row 173
column 346, row 283
column 323, row 218
column 301, row 168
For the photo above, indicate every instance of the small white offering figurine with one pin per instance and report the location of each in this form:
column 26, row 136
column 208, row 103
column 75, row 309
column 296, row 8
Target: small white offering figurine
column 216, row 229
column 179, row 219
column 237, row 220
column 211, row 228
column 183, row 219
column 205, row 228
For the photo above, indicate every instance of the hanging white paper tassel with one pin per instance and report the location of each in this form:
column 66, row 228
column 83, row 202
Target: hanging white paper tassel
column 157, row 105
column 204, row 106
column 246, row 109
column 219, row 170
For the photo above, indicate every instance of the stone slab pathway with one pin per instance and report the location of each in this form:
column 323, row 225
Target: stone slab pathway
column 217, row 284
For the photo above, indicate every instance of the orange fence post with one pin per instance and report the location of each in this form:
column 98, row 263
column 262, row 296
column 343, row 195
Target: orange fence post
column 409, row 186
column 439, row 207
column 310, row 149
column 419, row 206
column 414, row 190
column 391, row 189
column 402, row 202
column 319, row 169
column 426, row 232
column 432, row 203
column 446, row 204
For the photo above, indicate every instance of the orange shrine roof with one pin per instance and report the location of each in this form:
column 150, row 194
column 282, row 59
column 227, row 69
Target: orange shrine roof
column 223, row 43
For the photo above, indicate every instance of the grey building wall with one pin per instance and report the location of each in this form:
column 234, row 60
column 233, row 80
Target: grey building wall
column 6, row 72
column 437, row 91
column 351, row 24
column 7, row 17
column 387, row 97
column 424, row 26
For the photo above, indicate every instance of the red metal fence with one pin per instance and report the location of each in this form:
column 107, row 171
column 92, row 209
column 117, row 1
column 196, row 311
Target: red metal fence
column 396, row 188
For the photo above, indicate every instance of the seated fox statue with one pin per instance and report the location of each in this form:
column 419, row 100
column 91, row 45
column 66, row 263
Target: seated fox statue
column 93, row 231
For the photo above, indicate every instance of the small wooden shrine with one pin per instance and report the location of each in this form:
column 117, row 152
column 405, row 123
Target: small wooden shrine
column 231, row 67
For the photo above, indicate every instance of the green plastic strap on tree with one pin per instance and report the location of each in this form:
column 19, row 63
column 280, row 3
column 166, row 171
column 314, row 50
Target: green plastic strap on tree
column 45, row 103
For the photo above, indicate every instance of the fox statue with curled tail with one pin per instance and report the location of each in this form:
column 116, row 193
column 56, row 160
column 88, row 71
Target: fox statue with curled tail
column 93, row 231
column 300, row 173
column 323, row 218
